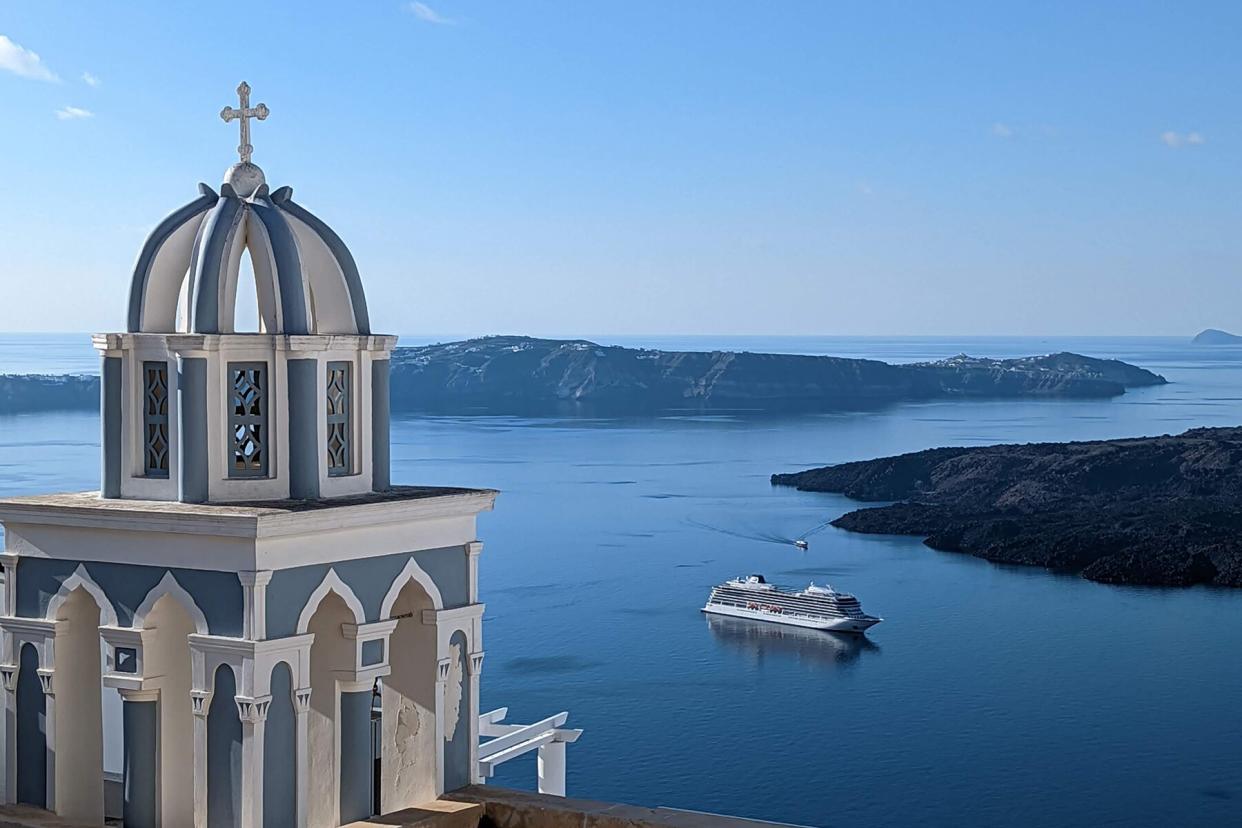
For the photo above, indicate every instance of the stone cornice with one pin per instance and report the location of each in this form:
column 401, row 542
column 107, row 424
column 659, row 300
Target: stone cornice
column 238, row 521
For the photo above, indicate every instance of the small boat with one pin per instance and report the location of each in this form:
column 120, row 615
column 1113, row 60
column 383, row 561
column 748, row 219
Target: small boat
column 816, row 607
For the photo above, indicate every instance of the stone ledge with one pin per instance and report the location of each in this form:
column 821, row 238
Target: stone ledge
column 504, row 808
column 439, row 814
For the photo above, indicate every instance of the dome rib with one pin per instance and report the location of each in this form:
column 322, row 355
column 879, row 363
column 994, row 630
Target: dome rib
column 344, row 259
column 211, row 259
column 293, row 304
column 152, row 247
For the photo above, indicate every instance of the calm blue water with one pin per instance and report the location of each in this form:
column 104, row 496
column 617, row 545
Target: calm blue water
column 989, row 696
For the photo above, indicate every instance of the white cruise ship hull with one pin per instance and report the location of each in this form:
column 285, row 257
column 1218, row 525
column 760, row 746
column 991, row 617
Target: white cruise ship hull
column 791, row 620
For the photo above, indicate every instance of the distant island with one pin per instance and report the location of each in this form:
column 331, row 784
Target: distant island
column 524, row 374
column 1212, row 336
column 513, row 372
column 1161, row 511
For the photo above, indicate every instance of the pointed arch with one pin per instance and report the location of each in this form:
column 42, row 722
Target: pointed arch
column 330, row 583
column 411, row 572
column 82, row 579
column 169, row 585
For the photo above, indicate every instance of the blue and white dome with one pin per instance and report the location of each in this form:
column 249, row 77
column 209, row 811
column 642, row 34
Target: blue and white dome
column 186, row 276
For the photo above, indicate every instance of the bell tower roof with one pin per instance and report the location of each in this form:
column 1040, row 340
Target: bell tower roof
column 195, row 411
column 185, row 278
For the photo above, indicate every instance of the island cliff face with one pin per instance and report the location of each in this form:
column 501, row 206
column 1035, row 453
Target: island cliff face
column 521, row 374
column 1152, row 510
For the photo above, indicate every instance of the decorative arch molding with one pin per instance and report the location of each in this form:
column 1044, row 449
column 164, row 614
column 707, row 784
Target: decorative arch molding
column 169, row 585
column 330, row 583
column 82, row 579
column 411, row 572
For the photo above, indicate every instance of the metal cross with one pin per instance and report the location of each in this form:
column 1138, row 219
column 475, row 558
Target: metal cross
column 244, row 115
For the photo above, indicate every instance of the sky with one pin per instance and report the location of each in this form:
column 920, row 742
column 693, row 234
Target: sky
column 688, row 167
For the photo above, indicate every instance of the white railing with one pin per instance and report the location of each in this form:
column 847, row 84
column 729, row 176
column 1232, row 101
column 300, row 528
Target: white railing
column 509, row 741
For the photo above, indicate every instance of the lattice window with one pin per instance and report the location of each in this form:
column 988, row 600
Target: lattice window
column 248, row 419
column 155, row 419
column 340, row 414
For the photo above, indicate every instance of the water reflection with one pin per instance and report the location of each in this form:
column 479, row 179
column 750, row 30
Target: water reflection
column 760, row 640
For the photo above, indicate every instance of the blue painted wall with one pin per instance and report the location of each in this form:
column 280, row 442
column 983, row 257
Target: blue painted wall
column 370, row 579
column 457, row 748
column 224, row 754
column 218, row 594
column 357, row 766
column 140, row 721
column 192, row 431
column 304, row 447
column 381, row 435
column 110, row 427
column 31, row 735
column 280, row 779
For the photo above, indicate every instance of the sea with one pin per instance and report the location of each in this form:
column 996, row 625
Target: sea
column 990, row 695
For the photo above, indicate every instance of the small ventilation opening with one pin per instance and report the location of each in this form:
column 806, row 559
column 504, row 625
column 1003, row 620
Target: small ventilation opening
column 246, row 305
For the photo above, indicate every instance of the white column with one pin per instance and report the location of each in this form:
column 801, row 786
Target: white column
column 473, row 550
column 200, row 701
column 552, row 769
column 254, row 604
column 9, row 563
column 8, row 674
column 442, row 673
column 301, row 708
column 475, row 665
column 253, row 714
column 46, row 675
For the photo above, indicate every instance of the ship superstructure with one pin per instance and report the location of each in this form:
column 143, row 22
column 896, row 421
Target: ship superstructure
column 816, row 607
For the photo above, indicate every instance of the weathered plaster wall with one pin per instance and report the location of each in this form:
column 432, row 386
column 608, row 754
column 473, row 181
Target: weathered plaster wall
column 456, row 727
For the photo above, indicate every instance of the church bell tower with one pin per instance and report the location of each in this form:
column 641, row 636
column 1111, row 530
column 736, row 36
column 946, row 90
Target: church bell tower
column 288, row 639
column 195, row 411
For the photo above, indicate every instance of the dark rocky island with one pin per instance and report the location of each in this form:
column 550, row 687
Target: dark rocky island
column 522, row 374
column 1153, row 510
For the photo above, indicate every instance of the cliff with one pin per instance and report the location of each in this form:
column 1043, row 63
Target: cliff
column 521, row 374
column 525, row 373
column 1153, row 510
column 22, row 393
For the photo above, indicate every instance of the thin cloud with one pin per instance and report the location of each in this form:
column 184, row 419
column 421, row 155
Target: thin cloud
column 24, row 63
column 1175, row 140
column 74, row 113
column 1002, row 130
column 427, row 14
column 89, row 79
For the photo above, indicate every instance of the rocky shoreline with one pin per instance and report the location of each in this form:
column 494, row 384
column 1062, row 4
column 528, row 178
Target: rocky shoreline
column 1163, row 511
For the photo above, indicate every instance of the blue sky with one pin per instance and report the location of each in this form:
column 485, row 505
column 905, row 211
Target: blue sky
column 654, row 167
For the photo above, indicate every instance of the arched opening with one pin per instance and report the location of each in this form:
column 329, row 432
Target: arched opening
column 331, row 658
column 280, row 776
column 246, row 317
column 78, row 683
column 408, row 763
column 224, row 749
column 31, row 731
column 166, row 667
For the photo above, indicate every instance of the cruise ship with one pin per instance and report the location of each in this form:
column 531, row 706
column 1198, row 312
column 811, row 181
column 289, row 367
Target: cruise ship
column 817, row 607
